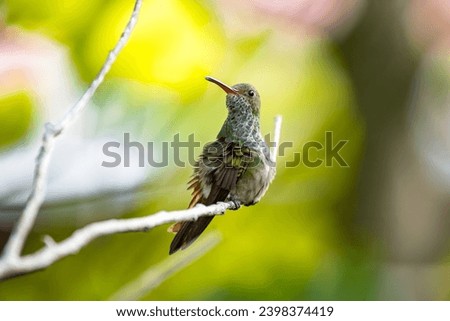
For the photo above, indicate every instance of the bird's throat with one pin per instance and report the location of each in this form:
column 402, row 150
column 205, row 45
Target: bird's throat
column 241, row 128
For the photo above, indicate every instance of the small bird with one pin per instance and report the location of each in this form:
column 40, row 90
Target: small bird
column 235, row 167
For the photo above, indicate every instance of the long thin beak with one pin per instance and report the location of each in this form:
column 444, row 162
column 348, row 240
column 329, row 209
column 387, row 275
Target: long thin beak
column 226, row 88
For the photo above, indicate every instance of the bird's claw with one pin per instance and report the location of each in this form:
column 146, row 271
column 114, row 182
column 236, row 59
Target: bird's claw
column 237, row 204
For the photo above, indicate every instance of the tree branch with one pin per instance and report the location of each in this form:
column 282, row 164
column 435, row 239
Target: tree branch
column 14, row 246
column 276, row 137
column 53, row 252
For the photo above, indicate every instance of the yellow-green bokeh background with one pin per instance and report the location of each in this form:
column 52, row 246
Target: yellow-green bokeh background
column 302, row 242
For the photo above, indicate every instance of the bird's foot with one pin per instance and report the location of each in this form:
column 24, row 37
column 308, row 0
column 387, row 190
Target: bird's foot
column 236, row 203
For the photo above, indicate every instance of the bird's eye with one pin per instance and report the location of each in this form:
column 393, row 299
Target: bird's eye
column 251, row 93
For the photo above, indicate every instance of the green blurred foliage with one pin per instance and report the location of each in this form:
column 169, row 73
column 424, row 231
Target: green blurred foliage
column 299, row 242
column 16, row 113
column 65, row 21
column 174, row 44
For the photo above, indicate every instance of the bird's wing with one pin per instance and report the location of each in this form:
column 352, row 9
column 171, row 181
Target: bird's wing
column 231, row 161
column 219, row 168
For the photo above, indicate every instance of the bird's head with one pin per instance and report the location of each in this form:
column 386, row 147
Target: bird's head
column 240, row 97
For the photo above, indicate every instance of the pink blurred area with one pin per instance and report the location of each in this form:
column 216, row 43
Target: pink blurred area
column 304, row 17
column 428, row 23
column 33, row 63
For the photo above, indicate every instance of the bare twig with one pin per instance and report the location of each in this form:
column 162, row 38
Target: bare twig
column 157, row 274
column 15, row 244
column 276, row 138
column 83, row 236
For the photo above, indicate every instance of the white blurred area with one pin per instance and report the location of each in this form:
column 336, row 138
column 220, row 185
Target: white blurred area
column 428, row 24
column 430, row 119
column 33, row 63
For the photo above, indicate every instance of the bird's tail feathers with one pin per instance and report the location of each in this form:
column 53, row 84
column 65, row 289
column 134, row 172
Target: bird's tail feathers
column 188, row 232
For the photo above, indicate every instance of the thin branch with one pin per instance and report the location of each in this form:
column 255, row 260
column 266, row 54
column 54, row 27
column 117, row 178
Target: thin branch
column 14, row 246
column 83, row 236
column 276, row 137
column 157, row 274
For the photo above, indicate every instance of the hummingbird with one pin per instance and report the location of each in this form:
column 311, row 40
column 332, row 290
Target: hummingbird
column 235, row 167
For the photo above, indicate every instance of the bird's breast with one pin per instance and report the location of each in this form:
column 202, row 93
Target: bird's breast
column 254, row 182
